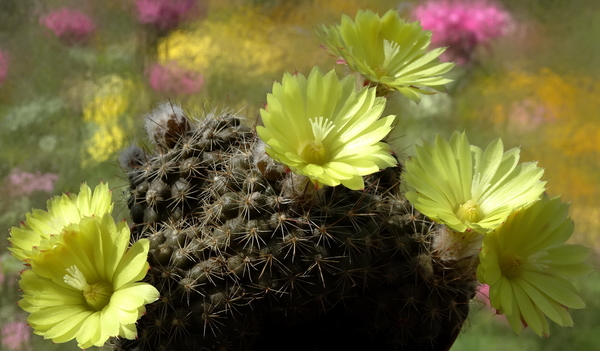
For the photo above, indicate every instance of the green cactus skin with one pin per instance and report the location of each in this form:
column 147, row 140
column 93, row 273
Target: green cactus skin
column 248, row 256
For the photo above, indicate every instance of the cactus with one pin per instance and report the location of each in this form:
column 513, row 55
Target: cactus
column 248, row 256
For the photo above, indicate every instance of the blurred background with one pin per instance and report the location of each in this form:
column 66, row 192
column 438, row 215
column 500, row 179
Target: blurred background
column 76, row 77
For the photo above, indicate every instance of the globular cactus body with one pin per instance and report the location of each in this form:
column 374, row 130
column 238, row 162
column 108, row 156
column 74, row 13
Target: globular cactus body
column 247, row 256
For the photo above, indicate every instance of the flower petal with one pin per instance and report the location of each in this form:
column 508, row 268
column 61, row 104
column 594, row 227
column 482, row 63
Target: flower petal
column 133, row 265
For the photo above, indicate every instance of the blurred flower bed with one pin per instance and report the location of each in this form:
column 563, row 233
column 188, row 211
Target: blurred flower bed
column 76, row 76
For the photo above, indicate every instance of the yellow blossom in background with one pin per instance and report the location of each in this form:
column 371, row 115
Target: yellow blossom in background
column 588, row 222
column 284, row 40
column 106, row 142
column 568, row 176
column 104, row 110
column 349, row 7
column 237, row 58
column 107, row 108
column 559, row 109
column 520, row 98
column 109, row 100
column 310, row 14
column 576, row 138
column 227, row 44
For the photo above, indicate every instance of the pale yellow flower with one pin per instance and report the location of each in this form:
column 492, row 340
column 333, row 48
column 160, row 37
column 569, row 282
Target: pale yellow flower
column 388, row 52
column 41, row 229
column 467, row 188
column 86, row 287
column 526, row 264
column 322, row 128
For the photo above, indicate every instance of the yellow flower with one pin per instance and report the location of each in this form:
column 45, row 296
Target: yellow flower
column 322, row 128
column 86, row 287
column 467, row 188
column 41, row 228
column 526, row 264
column 389, row 52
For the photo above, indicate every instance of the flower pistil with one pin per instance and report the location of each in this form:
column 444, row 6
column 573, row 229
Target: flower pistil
column 97, row 295
column 315, row 152
column 469, row 212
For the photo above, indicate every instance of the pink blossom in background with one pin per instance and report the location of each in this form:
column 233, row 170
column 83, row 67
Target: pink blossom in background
column 462, row 25
column 24, row 183
column 71, row 26
column 15, row 336
column 483, row 296
column 3, row 66
column 167, row 14
column 171, row 79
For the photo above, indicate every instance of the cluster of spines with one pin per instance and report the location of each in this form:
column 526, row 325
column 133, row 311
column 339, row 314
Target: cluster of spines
column 240, row 248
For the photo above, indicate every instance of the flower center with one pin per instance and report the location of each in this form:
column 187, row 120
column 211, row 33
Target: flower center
column 315, row 152
column 469, row 212
column 97, row 295
column 511, row 264
column 380, row 71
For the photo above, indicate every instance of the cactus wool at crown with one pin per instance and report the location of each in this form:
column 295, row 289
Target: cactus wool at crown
column 247, row 256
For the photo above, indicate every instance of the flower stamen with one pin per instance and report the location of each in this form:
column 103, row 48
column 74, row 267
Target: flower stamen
column 511, row 265
column 96, row 295
column 315, row 152
column 469, row 212
column 537, row 260
column 380, row 71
